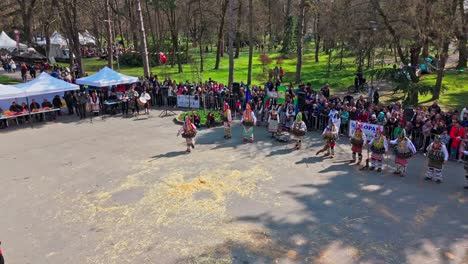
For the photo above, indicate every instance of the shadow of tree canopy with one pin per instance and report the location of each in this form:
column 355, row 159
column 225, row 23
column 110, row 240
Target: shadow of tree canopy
column 340, row 214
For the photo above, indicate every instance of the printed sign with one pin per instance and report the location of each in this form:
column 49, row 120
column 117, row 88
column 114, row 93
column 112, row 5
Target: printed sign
column 368, row 129
column 188, row 101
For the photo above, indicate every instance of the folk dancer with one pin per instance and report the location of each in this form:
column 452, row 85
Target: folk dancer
column 188, row 131
column 248, row 121
column 330, row 134
column 299, row 129
column 466, row 168
column 437, row 156
column 378, row 146
column 273, row 122
column 227, row 120
column 404, row 150
column 358, row 140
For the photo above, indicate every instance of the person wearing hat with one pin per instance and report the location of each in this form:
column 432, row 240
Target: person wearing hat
column 188, row 131
column 437, row 156
column 227, row 120
column 299, row 129
column 330, row 134
column 404, row 150
column 379, row 146
column 358, row 140
column 273, row 122
column 248, row 121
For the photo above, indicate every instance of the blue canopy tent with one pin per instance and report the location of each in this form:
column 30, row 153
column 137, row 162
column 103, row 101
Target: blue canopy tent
column 106, row 77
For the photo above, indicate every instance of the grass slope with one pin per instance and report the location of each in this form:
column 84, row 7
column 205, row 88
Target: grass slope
column 315, row 73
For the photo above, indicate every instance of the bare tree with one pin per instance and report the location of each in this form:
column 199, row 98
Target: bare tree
column 230, row 41
column 251, row 22
column 300, row 39
column 219, row 45
column 144, row 47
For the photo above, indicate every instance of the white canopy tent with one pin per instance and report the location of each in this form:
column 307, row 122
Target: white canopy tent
column 57, row 39
column 106, row 77
column 46, row 84
column 8, row 43
column 8, row 94
column 43, row 87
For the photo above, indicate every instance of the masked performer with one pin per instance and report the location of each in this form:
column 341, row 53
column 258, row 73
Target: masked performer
column 330, row 134
column 404, row 150
column 378, row 146
column 298, row 130
column 358, row 140
column 437, row 155
column 227, row 120
column 248, row 122
column 188, row 131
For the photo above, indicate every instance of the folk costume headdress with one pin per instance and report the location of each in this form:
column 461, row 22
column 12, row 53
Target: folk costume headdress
column 248, row 113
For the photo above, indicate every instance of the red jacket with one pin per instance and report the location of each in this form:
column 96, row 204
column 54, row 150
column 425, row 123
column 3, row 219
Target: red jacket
column 363, row 116
column 454, row 133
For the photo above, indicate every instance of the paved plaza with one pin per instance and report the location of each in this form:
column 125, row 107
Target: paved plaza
column 122, row 190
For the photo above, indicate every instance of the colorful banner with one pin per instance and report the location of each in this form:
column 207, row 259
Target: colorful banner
column 188, row 101
column 281, row 94
column 368, row 129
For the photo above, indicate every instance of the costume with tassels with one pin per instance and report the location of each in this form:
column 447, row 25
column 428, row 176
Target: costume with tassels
column 188, row 131
column 358, row 140
column 404, row 150
column 299, row 129
column 273, row 122
column 437, row 155
column 227, row 121
column 248, row 122
column 330, row 135
column 378, row 146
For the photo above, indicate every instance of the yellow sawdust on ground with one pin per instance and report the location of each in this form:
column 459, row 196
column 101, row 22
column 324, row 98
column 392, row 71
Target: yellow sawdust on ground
column 170, row 215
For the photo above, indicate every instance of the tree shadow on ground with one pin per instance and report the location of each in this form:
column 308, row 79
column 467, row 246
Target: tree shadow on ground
column 355, row 217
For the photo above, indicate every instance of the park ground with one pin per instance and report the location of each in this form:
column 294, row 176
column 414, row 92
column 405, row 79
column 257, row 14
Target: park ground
column 122, row 190
column 340, row 76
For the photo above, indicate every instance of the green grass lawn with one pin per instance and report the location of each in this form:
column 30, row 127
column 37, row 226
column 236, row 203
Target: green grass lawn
column 7, row 80
column 312, row 72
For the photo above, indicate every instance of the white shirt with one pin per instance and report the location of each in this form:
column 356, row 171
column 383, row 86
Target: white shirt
column 409, row 144
column 444, row 150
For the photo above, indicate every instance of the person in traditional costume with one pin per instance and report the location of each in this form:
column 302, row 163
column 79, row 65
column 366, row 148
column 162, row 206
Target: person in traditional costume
column 330, row 134
column 404, row 150
column 188, row 131
column 378, row 146
column 290, row 115
column 299, row 129
column 358, row 140
column 94, row 103
column 227, row 120
column 437, row 155
column 466, row 169
column 273, row 122
column 248, row 121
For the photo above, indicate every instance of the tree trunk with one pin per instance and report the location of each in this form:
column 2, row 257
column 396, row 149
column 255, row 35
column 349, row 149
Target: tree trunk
column 110, row 64
column 200, row 40
column 249, row 73
column 144, row 47
column 150, row 23
column 230, row 41
column 317, row 37
column 443, row 56
column 220, row 34
column 238, row 33
column 300, row 40
column 462, row 35
column 270, row 27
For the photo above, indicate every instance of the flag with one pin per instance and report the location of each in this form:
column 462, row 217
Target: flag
column 248, row 95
